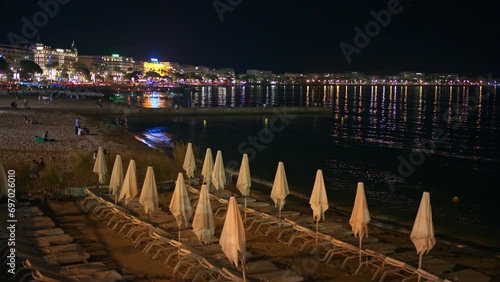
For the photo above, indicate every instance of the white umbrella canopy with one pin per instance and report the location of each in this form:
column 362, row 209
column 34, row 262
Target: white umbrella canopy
column 280, row 189
column 4, row 185
column 203, row 220
column 116, row 180
column 180, row 206
column 232, row 238
column 149, row 193
column 360, row 216
column 129, row 187
column 208, row 167
column 319, row 199
column 422, row 234
column 100, row 165
column 189, row 162
column 244, row 181
column 219, row 173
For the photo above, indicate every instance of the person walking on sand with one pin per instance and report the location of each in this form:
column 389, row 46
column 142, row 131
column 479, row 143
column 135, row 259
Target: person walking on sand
column 77, row 125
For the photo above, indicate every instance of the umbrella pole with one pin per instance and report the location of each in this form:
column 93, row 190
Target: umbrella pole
column 420, row 265
column 317, row 223
column 360, row 239
column 279, row 220
column 178, row 255
column 244, row 272
column 245, row 209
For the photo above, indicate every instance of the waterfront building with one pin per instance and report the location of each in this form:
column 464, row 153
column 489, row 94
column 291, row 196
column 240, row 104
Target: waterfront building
column 114, row 62
column 52, row 60
column 13, row 55
column 162, row 68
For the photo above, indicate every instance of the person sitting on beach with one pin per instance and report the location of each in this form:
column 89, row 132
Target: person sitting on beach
column 13, row 104
column 41, row 163
column 34, row 121
column 26, row 120
column 46, row 138
column 83, row 131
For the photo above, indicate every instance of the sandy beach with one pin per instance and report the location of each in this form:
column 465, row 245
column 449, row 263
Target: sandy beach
column 68, row 162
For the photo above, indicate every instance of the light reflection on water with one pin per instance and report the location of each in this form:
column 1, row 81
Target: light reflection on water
column 369, row 130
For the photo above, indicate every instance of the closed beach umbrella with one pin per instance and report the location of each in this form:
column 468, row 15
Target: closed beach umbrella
column 232, row 238
column 116, row 180
column 189, row 163
column 319, row 200
column 100, row 166
column 180, row 206
column 422, row 234
column 129, row 187
column 360, row 216
column 280, row 189
column 4, row 185
column 208, row 167
column 219, row 173
column 203, row 220
column 149, row 193
column 244, row 181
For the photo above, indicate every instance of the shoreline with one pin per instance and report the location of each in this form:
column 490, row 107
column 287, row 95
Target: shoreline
column 118, row 139
column 448, row 232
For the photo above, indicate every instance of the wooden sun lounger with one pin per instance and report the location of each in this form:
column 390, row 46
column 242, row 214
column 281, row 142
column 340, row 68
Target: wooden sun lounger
column 60, row 258
column 101, row 276
column 69, row 269
column 235, row 276
column 50, row 249
column 208, row 266
column 47, row 241
column 269, row 274
column 405, row 265
column 35, row 225
column 42, row 232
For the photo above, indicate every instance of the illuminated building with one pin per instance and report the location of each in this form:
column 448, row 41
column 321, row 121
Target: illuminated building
column 15, row 54
column 162, row 68
column 49, row 58
column 113, row 63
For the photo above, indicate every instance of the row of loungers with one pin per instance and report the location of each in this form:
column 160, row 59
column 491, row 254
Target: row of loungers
column 46, row 253
column 333, row 241
column 189, row 258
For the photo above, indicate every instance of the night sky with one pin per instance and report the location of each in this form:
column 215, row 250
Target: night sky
column 282, row 36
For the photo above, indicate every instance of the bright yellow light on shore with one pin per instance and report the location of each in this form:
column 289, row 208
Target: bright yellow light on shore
column 162, row 68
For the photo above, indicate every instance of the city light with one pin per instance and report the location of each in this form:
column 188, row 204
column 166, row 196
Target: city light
column 116, row 55
column 154, row 60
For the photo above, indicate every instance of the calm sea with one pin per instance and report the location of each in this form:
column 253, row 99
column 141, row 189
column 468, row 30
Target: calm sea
column 398, row 140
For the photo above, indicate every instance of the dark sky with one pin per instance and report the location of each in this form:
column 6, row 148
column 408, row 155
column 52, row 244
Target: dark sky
column 282, row 36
